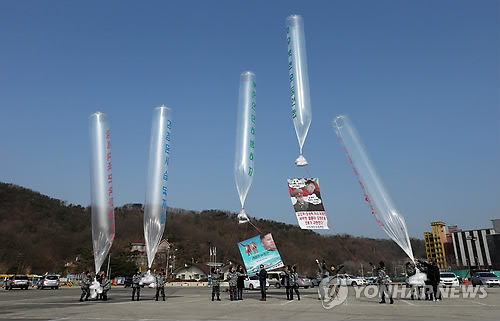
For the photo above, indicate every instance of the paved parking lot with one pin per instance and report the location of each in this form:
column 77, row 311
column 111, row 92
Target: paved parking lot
column 194, row 303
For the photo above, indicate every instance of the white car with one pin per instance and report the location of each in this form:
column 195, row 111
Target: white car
column 252, row 282
column 448, row 279
column 347, row 279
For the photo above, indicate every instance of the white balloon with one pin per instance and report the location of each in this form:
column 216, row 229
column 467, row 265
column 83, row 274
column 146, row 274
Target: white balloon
column 299, row 81
column 244, row 155
column 155, row 207
column 374, row 192
column 103, row 218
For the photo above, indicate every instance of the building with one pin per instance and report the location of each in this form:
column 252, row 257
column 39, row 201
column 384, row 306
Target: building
column 435, row 244
column 472, row 248
column 140, row 257
column 192, row 271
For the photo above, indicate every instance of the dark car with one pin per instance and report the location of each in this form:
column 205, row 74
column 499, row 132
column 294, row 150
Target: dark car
column 17, row 281
column 128, row 282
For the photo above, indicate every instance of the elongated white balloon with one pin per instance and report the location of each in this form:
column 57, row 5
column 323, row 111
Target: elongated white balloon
column 381, row 205
column 244, row 155
column 299, row 81
column 155, row 207
column 101, row 189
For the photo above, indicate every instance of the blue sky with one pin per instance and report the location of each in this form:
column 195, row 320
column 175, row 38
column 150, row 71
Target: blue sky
column 419, row 80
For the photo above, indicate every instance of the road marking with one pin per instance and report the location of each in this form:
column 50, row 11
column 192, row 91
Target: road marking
column 479, row 303
column 407, row 302
column 287, row 302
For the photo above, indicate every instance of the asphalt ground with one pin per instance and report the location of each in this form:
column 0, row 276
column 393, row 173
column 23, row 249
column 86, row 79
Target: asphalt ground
column 194, row 303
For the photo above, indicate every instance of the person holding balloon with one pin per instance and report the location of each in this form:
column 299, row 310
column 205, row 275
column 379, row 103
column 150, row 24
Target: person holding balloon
column 85, row 286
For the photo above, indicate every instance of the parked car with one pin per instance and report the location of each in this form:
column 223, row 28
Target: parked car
column 127, row 283
column 347, row 279
column 304, row 282
column 448, row 279
column 49, row 281
column 314, row 281
column 370, row 280
column 252, row 282
column 274, row 279
column 485, row 278
column 17, row 281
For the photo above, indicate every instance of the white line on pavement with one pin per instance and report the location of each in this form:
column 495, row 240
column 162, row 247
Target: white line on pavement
column 406, row 302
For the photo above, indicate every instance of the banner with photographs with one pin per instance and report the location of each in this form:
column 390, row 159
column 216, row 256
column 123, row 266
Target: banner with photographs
column 258, row 250
column 307, row 203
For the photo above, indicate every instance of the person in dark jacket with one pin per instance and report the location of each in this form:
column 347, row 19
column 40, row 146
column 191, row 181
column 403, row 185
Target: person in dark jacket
column 285, row 280
column 433, row 276
column 241, row 281
column 262, row 280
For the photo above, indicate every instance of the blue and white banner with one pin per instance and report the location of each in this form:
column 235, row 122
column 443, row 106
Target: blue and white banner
column 258, row 250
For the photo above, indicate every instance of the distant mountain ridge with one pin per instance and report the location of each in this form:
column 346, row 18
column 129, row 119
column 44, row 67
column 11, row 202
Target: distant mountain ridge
column 39, row 233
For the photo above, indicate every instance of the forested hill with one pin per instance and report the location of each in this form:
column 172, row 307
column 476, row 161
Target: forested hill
column 39, row 234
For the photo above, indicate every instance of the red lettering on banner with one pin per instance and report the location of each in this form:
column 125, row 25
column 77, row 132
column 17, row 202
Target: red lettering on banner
column 108, row 134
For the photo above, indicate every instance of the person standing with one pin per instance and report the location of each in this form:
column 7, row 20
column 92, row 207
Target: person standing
column 411, row 270
column 85, row 286
column 294, row 277
column 262, row 280
column 106, row 286
column 382, row 280
column 286, row 282
column 433, row 277
column 160, row 284
column 233, row 282
column 241, row 281
column 215, row 276
column 136, row 287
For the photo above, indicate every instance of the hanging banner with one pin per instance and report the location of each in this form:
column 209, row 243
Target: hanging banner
column 258, row 250
column 307, row 203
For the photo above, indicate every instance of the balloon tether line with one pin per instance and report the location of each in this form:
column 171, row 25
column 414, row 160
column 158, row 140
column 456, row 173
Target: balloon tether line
column 255, row 227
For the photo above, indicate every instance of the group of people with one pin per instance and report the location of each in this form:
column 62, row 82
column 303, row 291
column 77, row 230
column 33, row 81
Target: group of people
column 236, row 278
column 86, row 282
column 289, row 278
column 159, row 282
column 430, row 282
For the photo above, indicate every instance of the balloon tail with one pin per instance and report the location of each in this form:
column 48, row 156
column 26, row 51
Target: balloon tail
column 242, row 217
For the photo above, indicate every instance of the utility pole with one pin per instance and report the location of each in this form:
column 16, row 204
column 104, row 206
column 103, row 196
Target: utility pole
column 108, row 271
